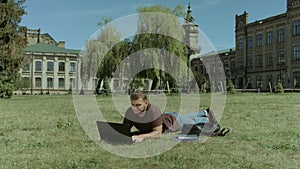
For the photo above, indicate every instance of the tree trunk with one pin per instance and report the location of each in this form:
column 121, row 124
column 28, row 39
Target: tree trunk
column 98, row 86
column 154, row 83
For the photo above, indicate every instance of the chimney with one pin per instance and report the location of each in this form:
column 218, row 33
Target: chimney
column 39, row 35
column 61, row 44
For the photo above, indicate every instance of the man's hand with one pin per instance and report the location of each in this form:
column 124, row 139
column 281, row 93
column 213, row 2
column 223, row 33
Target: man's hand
column 137, row 139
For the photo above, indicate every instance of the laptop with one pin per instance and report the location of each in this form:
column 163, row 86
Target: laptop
column 114, row 133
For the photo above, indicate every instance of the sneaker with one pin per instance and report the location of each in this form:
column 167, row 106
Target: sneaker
column 205, row 113
column 211, row 116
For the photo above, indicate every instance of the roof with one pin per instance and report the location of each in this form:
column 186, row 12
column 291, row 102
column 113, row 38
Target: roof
column 218, row 52
column 46, row 34
column 47, row 48
column 226, row 50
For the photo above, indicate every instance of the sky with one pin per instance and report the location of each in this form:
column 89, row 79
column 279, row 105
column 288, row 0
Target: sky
column 75, row 21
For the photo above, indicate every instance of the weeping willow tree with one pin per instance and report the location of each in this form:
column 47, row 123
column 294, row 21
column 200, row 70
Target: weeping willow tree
column 12, row 44
column 158, row 28
column 98, row 58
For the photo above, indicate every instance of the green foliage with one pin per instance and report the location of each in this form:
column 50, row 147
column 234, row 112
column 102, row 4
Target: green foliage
column 105, row 52
column 23, row 84
column 136, row 84
column 106, row 87
column 6, row 90
column 279, row 88
column 104, row 21
column 162, row 32
column 41, row 91
column 12, row 43
column 230, row 87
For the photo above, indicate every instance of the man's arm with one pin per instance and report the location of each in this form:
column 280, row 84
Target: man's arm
column 154, row 134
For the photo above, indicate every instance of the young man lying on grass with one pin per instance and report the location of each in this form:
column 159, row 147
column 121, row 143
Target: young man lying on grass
column 151, row 123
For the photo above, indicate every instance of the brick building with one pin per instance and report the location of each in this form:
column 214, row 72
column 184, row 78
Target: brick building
column 267, row 51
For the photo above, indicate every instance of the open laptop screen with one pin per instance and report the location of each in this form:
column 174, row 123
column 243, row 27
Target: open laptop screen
column 114, row 133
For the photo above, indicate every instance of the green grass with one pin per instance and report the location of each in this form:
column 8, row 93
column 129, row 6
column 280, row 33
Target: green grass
column 44, row 132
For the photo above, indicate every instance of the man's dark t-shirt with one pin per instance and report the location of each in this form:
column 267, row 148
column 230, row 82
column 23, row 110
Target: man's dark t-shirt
column 152, row 118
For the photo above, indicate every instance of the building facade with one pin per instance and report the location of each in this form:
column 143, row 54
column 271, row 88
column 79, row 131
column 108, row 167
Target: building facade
column 50, row 67
column 216, row 68
column 267, row 51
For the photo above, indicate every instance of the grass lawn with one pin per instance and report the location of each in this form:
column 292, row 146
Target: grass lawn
column 44, row 132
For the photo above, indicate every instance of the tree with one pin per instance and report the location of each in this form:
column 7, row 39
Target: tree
column 96, row 60
column 105, row 52
column 12, row 44
column 161, row 25
column 23, row 84
column 230, row 87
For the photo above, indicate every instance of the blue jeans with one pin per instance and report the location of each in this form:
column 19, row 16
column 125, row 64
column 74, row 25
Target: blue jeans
column 190, row 118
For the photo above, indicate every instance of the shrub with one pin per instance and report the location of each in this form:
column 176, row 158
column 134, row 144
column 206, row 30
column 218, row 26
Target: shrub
column 6, row 90
column 230, row 87
column 279, row 88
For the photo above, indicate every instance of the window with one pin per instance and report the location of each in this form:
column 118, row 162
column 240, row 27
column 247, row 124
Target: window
column 61, row 66
column 26, row 67
column 49, row 82
column 270, row 37
column 296, row 53
column 38, row 66
column 240, row 62
column 38, row 82
column 281, row 36
column 61, row 83
column 72, row 82
column 281, row 53
column 295, row 2
column 241, row 43
column 259, row 40
column 269, row 80
column 50, row 66
column 270, row 59
column 296, row 76
column 72, row 67
column 250, row 61
column 281, row 59
column 259, row 81
column 232, row 65
column 84, row 84
column 259, row 60
column 296, row 27
column 250, row 42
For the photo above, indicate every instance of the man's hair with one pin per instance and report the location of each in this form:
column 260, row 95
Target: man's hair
column 138, row 95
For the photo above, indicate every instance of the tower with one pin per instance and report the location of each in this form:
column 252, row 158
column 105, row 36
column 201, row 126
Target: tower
column 291, row 4
column 191, row 31
column 191, row 34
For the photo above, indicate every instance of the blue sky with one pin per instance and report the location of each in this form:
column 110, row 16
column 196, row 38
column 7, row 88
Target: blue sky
column 75, row 21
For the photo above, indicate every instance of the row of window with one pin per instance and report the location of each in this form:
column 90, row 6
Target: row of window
column 269, row 37
column 50, row 66
column 269, row 79
column 270, row 59
column 61, row 82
